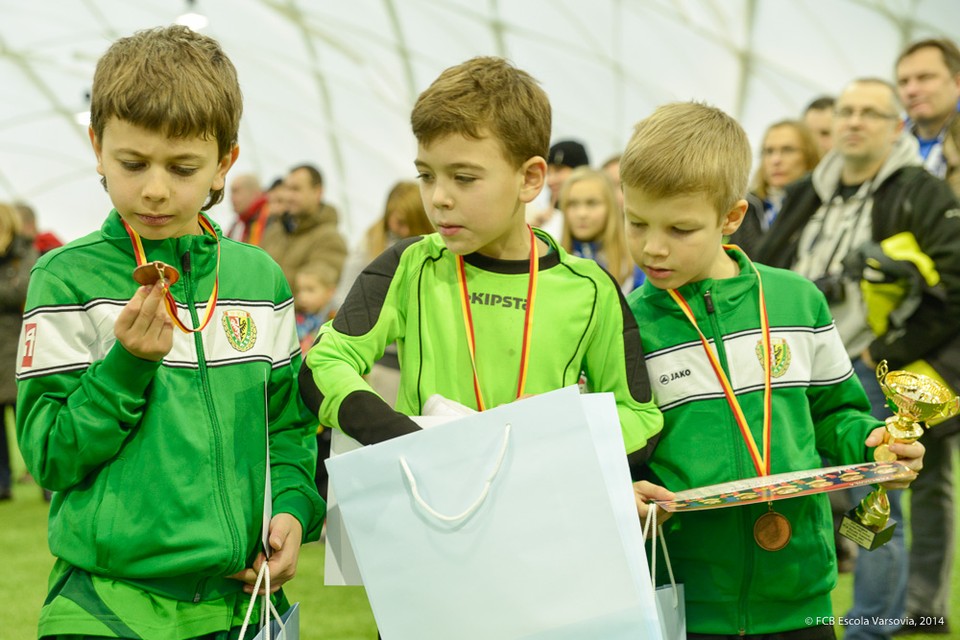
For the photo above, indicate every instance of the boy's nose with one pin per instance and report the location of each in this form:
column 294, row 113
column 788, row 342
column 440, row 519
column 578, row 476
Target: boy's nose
column 155, row 186
column 440, row 198
column 654, row 246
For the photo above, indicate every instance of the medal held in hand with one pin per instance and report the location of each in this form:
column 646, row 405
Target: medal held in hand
column 149, row 273
column 915, row 399
column 153, row 272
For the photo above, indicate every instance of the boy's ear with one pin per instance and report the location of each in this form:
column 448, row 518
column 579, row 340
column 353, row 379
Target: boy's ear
column 220, row 179
column 734, row 217
column 534, row 173
column 97, row 149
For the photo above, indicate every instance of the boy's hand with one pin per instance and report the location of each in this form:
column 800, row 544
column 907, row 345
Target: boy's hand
column 644, row 493
column 143, row 326
column 285, row 536
column 909, row 454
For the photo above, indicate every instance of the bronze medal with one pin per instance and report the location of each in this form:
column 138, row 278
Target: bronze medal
column 153, row 272
column 772, row 531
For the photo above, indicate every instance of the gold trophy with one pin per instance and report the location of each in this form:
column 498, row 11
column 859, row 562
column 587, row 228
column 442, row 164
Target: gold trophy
column 914, row 398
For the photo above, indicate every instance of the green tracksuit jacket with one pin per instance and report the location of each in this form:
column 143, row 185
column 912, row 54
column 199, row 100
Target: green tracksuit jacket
column 158, row 467
column 818, row 408
column 410, row 295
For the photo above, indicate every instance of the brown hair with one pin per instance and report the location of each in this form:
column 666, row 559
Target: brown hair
column 949, row 50
column 612, row 239
column 808, row 148
column 486, row 96
column 687, row 148
column 403, row 197
column 170, row 80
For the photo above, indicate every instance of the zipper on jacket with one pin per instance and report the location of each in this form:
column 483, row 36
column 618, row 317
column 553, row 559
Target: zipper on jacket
column 738, row 449
column 211, row 409
column 199, row 591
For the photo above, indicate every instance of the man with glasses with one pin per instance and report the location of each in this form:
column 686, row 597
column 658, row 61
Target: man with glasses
column 871, row 189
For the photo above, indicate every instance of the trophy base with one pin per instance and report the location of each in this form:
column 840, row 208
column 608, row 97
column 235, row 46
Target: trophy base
column 864, row 536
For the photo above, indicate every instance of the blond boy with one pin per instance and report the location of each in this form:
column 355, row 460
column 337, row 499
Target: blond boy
column 741, row 577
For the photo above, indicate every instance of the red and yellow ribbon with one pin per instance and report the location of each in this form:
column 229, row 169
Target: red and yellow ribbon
column 527, row 321
column 141, row 256
column 761, row 459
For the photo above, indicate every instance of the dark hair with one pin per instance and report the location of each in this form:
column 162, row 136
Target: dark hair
column 821, row 104
column 316, row 178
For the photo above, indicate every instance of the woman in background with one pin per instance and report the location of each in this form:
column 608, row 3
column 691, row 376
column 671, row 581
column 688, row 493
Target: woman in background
column 17, row 256
column 789, row 152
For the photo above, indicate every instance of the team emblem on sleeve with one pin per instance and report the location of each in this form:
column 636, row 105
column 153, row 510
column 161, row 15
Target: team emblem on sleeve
column 29, row 342
column 240, row 329
column 780, row 356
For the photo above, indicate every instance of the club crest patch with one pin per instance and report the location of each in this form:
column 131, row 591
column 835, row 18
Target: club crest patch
column 781, row 355
column 240, row 329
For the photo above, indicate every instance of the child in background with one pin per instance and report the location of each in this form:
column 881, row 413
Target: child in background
column 154, row 437
column 752, row 379
column 593, row 223
column 314, row 287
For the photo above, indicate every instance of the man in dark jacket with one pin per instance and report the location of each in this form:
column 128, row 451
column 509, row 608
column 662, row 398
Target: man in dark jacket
column 871, row 191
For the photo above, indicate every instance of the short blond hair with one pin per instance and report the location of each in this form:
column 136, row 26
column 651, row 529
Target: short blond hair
column 486, row 96
column 170, row 80
column 687, row 148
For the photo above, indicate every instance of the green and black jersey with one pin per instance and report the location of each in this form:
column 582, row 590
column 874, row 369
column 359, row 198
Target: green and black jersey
column 410, row 295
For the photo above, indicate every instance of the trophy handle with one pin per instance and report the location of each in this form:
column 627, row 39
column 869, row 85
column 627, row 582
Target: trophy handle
column 882, row 370
column 952, row 408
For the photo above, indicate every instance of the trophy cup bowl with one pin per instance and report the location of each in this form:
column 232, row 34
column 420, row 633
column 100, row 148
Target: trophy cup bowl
column 914, row 399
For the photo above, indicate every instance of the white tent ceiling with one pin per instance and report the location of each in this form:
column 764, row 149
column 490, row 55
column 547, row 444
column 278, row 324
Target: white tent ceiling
column 332, row 82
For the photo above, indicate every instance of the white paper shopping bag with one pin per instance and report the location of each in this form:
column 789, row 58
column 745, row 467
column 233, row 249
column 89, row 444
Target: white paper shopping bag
column 290, row 629
column 340, row 563
column 670, row 604
column 518, row 522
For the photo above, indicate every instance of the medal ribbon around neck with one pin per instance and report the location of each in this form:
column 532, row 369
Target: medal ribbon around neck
column 761, row 460
column 168, row 300
column 527, row 321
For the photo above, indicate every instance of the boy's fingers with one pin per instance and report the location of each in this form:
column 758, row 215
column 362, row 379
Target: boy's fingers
column 131, row 310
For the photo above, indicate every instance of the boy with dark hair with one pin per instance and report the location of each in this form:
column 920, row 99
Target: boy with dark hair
column 154, row 440
column 487, row 309
column 764, row 385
